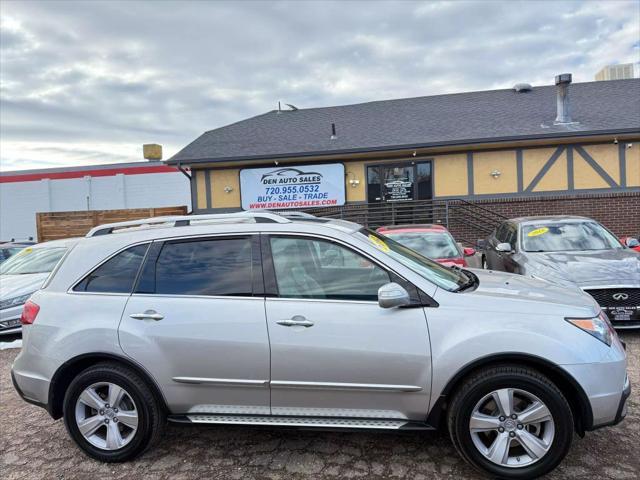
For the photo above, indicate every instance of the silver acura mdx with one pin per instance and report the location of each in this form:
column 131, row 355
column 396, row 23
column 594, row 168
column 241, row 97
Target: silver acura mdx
column 290, row 320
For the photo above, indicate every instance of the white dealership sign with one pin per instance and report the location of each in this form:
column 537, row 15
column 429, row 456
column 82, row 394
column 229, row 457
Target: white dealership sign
column 292, row 186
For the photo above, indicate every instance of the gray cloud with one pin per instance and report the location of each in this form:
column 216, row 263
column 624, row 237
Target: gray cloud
column 105, row 77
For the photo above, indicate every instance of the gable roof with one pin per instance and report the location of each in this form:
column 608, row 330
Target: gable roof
column 452, row 119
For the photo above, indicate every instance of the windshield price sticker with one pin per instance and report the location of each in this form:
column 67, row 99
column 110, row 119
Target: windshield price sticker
column 538, row 231
column 379, row 243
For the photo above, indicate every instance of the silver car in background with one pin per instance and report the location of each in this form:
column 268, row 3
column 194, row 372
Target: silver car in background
column 24, row 273
column 280, row 320
column 572, row 252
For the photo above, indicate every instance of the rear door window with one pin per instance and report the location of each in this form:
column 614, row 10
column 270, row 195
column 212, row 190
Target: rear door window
column 205, row 267
column 116, row 275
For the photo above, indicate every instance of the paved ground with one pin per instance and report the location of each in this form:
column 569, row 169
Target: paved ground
column 32, row 445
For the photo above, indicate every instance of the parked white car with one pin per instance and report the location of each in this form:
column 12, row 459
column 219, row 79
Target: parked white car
column 23, row 274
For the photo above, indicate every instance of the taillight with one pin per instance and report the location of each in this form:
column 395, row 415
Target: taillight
column 29, row 313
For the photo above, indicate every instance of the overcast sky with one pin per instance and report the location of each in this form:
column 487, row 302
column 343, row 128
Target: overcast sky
column 90, row 82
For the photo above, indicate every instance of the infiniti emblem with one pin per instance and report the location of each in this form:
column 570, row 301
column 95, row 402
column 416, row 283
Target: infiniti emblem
column 620, row 296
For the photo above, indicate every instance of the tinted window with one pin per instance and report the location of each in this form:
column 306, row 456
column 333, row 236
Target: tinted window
column 205, row 267
column 317, row 269
column 117, row 274
column 424, row 181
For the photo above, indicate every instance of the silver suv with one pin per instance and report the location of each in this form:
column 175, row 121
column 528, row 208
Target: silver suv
column 291, row 320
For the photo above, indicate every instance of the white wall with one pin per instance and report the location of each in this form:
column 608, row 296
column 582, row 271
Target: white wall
column 20, row 201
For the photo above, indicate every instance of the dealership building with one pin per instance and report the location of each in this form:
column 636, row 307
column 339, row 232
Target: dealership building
column 563, row 148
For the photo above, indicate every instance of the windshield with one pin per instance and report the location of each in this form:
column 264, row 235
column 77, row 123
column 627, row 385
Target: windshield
column 32, row 260
column 429, row 244
column 442, row 276
column 567, row 236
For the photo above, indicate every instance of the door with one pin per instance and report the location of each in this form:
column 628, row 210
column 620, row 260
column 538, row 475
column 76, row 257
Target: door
column 334, row 351
column 196, row 322
column 395, row 186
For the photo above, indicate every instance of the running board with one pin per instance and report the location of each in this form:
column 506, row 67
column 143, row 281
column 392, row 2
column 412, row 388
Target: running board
column 301, row 422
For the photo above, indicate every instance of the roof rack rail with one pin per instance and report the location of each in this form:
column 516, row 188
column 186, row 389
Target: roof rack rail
column 293, row 214
column 185, row 220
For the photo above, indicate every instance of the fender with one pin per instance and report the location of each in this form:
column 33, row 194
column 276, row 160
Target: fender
column 68, row 370
column 576, row 396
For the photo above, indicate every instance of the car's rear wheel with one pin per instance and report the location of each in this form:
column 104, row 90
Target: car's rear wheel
column 511, row 422
column 111, row 413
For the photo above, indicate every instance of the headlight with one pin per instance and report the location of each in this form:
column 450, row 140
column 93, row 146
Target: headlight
column 15, row 301
column 599, row 327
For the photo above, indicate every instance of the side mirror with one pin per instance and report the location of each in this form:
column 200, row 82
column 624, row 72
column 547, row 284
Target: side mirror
column 504, row 247
column 392, row 295
column 631, row 242
column 469, row 252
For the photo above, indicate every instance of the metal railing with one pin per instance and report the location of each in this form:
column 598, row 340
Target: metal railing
column 468, row 221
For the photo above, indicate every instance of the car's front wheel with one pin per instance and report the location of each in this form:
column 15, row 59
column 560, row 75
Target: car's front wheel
column 511, row 422
column 111, row 413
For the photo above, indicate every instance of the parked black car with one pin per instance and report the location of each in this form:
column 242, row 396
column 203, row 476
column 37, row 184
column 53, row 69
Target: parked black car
column 576, row 252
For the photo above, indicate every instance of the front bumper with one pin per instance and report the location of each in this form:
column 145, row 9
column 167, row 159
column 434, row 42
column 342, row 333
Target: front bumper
column 605, row 385
column 621, row 303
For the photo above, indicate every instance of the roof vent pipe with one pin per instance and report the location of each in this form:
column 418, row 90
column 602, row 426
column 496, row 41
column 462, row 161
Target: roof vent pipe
column 333, row 131
column 564, row 113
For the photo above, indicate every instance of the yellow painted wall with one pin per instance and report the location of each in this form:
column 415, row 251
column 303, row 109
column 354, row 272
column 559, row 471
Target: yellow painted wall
column 585, row 176
column 450, row 176
column 532, row 162
column 220, row 179
column 607, row 156
column 633, row 165
column 486, row 162
column 201, row 189
column 355, row 171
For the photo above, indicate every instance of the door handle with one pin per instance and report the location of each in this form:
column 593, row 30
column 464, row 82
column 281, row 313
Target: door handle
column 297, row 320
column 147, row 315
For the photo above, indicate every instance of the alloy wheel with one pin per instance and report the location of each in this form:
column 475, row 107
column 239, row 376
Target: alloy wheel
column 106, row 416
column 512, row 427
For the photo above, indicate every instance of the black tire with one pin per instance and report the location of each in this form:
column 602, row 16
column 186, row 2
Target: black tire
column 151, row 415
column 484, row 382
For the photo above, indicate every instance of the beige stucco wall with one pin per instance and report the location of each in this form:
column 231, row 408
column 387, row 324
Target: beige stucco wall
column 450, row 175
column 201, row 189
column 632, row 156
column 534, row 159
column 484, row 163
column 221, row 179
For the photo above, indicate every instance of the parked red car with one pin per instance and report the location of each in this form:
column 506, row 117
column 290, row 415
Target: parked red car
column 631, row 242
column 432, row 241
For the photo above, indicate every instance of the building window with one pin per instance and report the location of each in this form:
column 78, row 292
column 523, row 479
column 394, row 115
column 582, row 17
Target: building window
column 399, row 182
